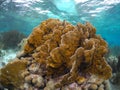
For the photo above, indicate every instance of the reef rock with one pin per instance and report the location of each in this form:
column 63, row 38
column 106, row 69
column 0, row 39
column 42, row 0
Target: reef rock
column 63, row 56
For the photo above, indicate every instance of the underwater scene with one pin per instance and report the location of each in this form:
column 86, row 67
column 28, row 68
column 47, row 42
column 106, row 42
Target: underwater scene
column 59, row 44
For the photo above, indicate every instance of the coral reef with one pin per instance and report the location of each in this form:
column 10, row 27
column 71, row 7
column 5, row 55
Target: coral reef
column 35, row 79
column 118, row 64
column 11, row 38
column 114, row 50
column 115, row 78
column 61, row 45
column 10, row 74
column 63, row 56
column 114, row 62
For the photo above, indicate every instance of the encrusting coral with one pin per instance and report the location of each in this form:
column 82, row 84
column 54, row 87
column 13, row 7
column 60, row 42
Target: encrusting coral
column 65, row 56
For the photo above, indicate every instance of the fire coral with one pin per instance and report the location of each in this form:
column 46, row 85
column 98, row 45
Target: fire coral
column 68, row 50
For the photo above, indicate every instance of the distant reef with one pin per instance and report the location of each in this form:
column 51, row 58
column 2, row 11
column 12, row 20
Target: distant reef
column 10, row 39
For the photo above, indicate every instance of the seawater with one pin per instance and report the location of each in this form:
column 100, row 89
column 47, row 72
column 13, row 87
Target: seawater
column 24, row 15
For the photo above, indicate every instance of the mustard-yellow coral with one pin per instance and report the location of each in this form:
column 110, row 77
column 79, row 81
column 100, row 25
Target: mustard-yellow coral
column 68, row 49
column 10, row 75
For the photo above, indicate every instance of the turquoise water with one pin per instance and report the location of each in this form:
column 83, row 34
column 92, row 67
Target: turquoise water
column 24, row 15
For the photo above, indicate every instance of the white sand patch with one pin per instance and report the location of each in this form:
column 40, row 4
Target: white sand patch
column 7, row 56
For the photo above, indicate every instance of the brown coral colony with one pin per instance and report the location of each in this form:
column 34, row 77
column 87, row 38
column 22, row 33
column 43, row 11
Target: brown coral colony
column 69, row 50
column 58, row 55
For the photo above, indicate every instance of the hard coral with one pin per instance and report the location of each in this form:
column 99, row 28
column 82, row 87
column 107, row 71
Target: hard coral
column 10, row 75
column 69, row 50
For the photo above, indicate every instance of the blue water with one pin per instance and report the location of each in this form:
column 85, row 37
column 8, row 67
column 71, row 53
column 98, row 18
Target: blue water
column 24, row 15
